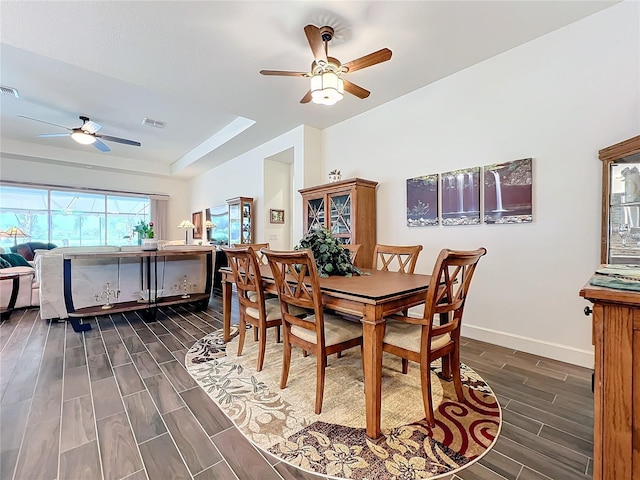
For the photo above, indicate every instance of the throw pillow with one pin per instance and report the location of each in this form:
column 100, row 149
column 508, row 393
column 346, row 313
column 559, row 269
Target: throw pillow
column 4, row 263
column 15, row 260
column 25, row 251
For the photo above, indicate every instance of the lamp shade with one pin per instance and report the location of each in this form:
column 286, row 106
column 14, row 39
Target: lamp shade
column 186, row 224
column 83, row 138
column 327, row 88
column 209, row 224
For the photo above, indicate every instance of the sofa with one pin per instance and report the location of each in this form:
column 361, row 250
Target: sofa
column 28, row 249
column 89, row 274
column 28, row 287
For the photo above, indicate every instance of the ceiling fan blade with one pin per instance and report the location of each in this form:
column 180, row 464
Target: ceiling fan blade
column 368, row 60
column 306, row 98
column 314, row 37
column 42, row 121
column 49, row 135
column 101, row 146
column 283, row 73
column 356, row 90
column 118, row 140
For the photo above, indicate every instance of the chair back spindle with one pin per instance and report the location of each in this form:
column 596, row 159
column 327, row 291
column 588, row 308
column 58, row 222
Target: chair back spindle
column 396, row 257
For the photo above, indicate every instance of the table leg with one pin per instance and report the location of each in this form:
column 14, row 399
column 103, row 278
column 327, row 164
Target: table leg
column 373, row 331
column 226, row 310
column 79, row 327
column 15, row 287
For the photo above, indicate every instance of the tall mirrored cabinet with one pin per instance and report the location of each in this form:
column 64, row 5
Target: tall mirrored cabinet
column 240, row 220
column 620, row 243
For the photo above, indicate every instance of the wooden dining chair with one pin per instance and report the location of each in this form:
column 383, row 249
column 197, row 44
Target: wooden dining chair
column 262, row 260
column 354, row 249
column 256, row 248
column 255, row 309
column 418, row 339
column 396, row 258
column 321, row 334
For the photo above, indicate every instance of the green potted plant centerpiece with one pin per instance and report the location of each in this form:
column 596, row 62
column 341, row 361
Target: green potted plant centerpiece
column 146, row 235
column 330, row 257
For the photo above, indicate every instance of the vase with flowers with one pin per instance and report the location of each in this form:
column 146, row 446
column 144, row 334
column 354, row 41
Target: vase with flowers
column 335, row 176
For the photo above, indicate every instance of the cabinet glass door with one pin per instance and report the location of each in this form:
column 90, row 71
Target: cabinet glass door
column 340, row 211
column 234, row 224
column 315, row 214
column 624, row 212
column 246, row 223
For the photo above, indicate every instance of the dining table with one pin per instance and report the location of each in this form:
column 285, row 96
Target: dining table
column 370, row 297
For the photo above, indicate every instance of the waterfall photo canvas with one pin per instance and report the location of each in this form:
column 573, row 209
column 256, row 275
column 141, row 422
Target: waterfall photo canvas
column 461, row 197
column 508, row 192
column 422, row 201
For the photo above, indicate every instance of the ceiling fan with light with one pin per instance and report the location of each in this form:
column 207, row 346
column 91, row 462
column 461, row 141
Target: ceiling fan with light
column 327, row 84
column 85, row 134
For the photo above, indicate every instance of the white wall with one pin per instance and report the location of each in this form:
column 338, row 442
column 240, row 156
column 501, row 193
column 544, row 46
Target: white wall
column 278, row 178
column 558, row 99
column 23, row 170
column 243, row 176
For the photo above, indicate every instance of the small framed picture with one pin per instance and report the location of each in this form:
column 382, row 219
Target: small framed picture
column 196, row 219
column 277, row 216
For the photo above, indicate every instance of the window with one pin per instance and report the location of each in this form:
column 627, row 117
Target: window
column 68, row 217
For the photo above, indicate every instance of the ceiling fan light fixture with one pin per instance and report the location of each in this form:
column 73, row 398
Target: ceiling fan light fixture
column 83, row 138
column 327, row 88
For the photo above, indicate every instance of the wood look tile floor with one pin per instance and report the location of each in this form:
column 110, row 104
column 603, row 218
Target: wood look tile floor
column 117, row 403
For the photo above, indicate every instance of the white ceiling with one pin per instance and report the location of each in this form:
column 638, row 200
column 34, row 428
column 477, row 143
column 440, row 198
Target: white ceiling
column 195, row 64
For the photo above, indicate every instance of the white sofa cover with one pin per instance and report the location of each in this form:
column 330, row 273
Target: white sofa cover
column 27, row 288
column 90, row 275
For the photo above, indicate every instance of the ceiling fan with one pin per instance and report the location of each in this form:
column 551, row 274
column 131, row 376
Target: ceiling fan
column 327, row 84
column 85, row 134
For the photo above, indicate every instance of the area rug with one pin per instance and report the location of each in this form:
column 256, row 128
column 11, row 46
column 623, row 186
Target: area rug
column 334, row 443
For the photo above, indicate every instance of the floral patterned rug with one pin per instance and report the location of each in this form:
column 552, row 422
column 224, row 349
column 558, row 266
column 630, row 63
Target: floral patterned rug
column 334, row 444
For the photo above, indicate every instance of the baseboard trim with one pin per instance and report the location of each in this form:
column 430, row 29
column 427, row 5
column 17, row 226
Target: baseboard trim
column 562, row 353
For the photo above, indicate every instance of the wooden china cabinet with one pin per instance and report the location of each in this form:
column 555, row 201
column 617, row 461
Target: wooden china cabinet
column 241, row 222
column 616, row 322
column 347, row 209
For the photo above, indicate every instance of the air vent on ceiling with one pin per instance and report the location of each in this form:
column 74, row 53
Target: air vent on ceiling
column 9, row 91
column 153, row 123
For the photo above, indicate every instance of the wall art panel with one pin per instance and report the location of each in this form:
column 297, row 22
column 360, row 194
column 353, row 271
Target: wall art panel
column 461, row 197
column 508, row 192
column 422, row 201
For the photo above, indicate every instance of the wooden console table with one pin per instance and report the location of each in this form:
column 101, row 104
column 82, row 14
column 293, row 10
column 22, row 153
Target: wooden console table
column 616, row 336
column 148, row 281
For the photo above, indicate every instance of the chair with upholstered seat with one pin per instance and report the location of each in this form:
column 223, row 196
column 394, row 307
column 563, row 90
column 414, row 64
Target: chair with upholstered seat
column 353, row 251
column 321, row 334
column 396, row 258
column 262, row 260
column 255, row 309
column 419, row 339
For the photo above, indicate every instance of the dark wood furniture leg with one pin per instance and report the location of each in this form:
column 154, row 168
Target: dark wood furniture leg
column 226, row 310
column 15, row 287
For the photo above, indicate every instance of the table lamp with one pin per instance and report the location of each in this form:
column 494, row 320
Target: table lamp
column 186, row 225
column 208, row 224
